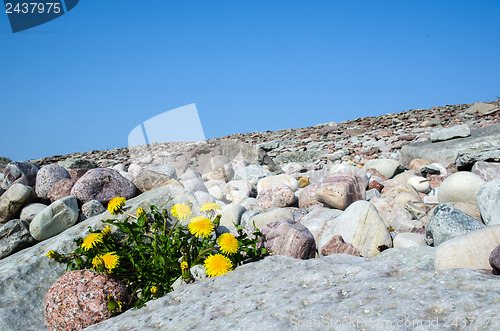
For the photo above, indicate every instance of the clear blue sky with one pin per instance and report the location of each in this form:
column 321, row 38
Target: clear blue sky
column 85, row 80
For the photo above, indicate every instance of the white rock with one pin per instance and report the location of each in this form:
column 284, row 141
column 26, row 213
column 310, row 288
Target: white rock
column 345, row 168
column 419, row 183
column 216, row 192
column 471, row 250
column 407, row 239
column 386, row 167
column 460, row 187
column 278, row 179
column 57, row 217
column 271, row 215
column 230, row 214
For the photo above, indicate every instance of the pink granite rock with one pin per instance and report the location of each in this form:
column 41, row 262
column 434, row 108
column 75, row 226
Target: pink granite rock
column 79, row 299
column 307, row 196
column 47, row 177
column 279, row 195
column 337, row 245
column 340, row 191
column 61, row 189
column 287, row 237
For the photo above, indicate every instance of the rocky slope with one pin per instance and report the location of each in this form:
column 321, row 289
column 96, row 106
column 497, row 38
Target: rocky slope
column 401, row 212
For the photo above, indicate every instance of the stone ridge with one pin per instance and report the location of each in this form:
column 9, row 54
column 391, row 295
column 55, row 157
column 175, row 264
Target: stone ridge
column 304, row 144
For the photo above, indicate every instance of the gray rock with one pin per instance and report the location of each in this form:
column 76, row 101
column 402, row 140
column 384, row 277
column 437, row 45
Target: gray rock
column 20, row 172
column 287, row 237
column 270, row 215
column 217, row 168
column 253, row 173
column 194, row 184
column 71, row 163
column 31, row 210
column 148, row 179
column 421, row 257
column 480, row 140
column 407, row 239
column 372, row 194
column 92, row 208
column 165, row 169
column 458, row 131
column 481, row 108
column 13, row 200
column 488, row 200
column 237, row 190
column 198, row 272
column 279, row 195
column 47, row 176
column 103, row 184
column 203, row 197
column 26, row 276
column 495, row 260
column 246, row 218
column 231, row 214
column 486, row 170
column 15, row 236
column 54, row 219
column 448, row 222
column 465, row 159
column 321, row 222
column 281, row 293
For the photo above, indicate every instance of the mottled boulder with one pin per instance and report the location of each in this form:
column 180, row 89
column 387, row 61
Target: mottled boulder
column 20, row 172
column 147, row 180
column 13, row 200
column 61, row 189
column 14, row 236
column 47, row 177
column 307, row 196
column 72, row 163
column 103, row 184
column 448, row 222
column 287, row 237
column 337, row 245
column 54, row 219
column 340, row 191
column 395, row 216
column 92, row 208
column 79, row 299
column 278, row 195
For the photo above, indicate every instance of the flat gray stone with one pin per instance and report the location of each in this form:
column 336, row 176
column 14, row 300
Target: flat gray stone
column 31, row 210
column 421, row 257
column 480, row 141
column 14, row 236
column 458, row 131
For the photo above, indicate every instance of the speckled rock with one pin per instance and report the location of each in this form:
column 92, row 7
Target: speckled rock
column 447, row 222
column 103, row 184
column 460, row 187
column 495, row 260
column 395, row 216
column 307, row 196
column 340, row 191
column 92, row 208
column 471, row 250
column 421, row 257
column 61, row 189
column 54, row 219
column 147, row 180
column 488, row 200
column 12, row 201
column 20, row 172
column 278, row 195
column 14, row 236
column 47, row 176
column 31, row 210
column 80, row 298
column 287, row 237
column 303, row 182
column 72, row 163
column 337, row 245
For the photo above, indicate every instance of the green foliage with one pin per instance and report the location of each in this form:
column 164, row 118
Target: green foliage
column 151, row 250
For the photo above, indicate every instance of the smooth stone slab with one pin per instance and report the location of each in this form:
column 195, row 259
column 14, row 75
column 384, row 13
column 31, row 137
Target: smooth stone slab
column 421, row 257
column 57, row 217
column 450, row 133
column 471, row 250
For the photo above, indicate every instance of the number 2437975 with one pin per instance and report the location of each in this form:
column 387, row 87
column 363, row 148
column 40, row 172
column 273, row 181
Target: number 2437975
column 33, row 8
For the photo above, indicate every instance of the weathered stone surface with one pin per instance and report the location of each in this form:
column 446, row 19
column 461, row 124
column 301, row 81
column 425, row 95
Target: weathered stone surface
column 407, row 239
column 192, row 182
column 458, row 131
column 488, row 201
column 481, row 108
column 468, row 208
column 12, row 201
column 471, row 250
column 54, row 219
column 238, row 190
column 344, row 169
column 448, row 222
column 278, row 195
column 480, row 140
column 165, row 169
column 287, row 237
column 31, row 210
column 337, row 245
column 61, row 189
column 361, row 225
column 278, row 179
column 253, row 173
column 217, row 168
column 103, row 184
column 486, row 170
column 270, row 215
column 92, row 208
column 386, row 167
column 14, row 236
column 281, row 293
column 395, row 216
column 20, row 172
column 47, row 176
column 421, row 257
column 72, row 163
column 307, row 196
column 340, row 191
column 79, row 299
column 147, row 180
column 460, row 187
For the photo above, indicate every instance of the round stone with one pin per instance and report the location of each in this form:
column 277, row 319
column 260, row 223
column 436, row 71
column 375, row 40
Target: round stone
column 460, row 187
column 79, row 299
column 495, row 260
column 47, row 177
column 420, row 184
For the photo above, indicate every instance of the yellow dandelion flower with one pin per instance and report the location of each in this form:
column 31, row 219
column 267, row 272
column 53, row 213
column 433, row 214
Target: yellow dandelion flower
column 181, row 211
column 217, row 265
column 209, row 206
column 106, row 231
column 228, row 243
column 91, row 240
column 116, row 204
column 200, row 226
column 154, row 289
column 111, row 260
column 51, row 254
column 184, row 265
column 140, row 211
column 97, row 261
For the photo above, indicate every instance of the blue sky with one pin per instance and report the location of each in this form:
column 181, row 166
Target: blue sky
column 84, row 81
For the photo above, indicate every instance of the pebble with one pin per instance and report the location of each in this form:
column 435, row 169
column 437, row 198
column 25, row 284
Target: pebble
column 287, row 237
column 57, row 217
column 92, row 208
column 407, row 239
column 462, row 186
column 278, row 195
column 337, row 245
column 285, row 179
column 386, row 167
column 420, row 184
column 339, row 191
